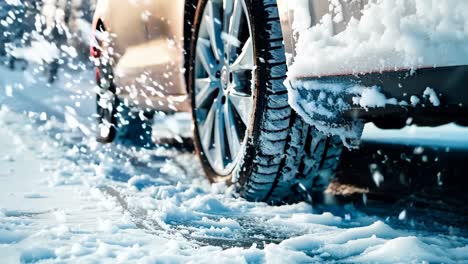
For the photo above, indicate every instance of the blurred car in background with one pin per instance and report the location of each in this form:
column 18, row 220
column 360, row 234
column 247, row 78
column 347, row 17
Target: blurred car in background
column 58, row 29
column 227, row 61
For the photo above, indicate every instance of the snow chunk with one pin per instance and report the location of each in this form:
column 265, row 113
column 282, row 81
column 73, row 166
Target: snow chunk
column 302, row 19
column 414, row 100
column 323, row 219
column 372, row 97
column 431, row 94
column 410, row 250
column 352, row 247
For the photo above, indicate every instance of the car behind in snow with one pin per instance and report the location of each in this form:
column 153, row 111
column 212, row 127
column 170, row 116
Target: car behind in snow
column 277, row 87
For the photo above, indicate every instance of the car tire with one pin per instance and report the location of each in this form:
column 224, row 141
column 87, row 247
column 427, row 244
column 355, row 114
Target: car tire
column 282, row 156
column 116, row 120
column 106, row 109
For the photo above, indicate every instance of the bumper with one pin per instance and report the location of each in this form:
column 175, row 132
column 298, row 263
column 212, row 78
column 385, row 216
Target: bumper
column 401, row 94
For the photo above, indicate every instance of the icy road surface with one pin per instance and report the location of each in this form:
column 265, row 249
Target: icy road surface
column 65, row 198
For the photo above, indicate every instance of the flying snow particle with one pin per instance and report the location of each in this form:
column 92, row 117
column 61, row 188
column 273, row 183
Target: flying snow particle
column 418, row 151
column 43, row 116
column 9, row 91
column 439, row 179
column 402, row 215
column 14, row 2
column 378, row 178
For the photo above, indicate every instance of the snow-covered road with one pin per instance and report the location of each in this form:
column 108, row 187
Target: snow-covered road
column 65, row 198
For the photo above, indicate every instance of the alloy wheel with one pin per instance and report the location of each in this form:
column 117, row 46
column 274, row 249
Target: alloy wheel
column 224, row 78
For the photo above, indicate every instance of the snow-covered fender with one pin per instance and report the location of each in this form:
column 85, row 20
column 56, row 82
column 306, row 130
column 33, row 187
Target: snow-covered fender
column 297, row 16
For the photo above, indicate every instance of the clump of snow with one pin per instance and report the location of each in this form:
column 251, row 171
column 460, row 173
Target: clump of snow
column 302, row 19
column 389, row 35
column 411, row 250
column 414, row 100
column 373, row 97
column 321, row 104
column 323, row 219
column 431, row 94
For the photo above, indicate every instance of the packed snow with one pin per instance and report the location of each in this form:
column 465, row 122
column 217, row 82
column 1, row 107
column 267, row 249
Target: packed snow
column 389, row 35
column 78, row 201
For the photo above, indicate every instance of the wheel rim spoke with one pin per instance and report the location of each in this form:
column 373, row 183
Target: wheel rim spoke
column 220, row 143
column 205, row 91
column 243, row 105
column 232, row 26
column 231, row 130
column 235, row 20
column 207, row 128
column 205, row 55
column 244, row 61
column 213, row 22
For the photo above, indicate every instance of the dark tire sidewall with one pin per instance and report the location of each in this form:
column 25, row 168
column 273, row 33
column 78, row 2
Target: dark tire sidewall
column 104, row 114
